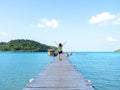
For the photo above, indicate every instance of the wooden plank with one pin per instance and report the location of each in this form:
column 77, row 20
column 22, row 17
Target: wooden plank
column 59, row 75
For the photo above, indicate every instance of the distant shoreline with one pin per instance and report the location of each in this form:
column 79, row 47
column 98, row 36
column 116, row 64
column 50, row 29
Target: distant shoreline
column 23, row 45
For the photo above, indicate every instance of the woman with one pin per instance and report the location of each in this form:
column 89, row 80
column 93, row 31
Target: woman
column 60, row 50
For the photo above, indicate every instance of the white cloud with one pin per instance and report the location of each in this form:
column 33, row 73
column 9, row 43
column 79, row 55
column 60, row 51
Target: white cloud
column 101, row 17
column 111, row 39
column 40, row 25
column 53, row 23
column 46, row 23
column 105, row 17
column 116, row 21
column 3, row 34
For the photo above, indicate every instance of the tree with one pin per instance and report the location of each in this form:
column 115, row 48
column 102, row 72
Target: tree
column 21, row 45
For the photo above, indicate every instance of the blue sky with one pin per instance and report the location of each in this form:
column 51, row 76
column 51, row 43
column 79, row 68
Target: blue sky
column 86, row 25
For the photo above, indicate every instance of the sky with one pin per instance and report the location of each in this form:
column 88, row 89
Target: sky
column 86, row 25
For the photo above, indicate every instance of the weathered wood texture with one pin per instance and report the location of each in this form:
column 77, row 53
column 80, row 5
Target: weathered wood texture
column 59, row 75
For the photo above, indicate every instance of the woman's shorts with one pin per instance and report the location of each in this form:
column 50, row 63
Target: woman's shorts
column 60, row 52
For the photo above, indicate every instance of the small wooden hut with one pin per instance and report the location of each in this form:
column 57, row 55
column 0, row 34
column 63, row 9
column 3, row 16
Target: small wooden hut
column 50, row 52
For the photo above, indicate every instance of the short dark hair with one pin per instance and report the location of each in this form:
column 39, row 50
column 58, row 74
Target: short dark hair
column 60, row 44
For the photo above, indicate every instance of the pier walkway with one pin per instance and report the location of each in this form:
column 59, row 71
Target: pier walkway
column 59, row 75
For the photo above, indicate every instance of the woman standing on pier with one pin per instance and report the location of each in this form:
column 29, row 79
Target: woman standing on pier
column 60, row 49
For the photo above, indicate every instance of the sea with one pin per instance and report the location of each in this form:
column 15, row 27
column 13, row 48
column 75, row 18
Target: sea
column 101, row 68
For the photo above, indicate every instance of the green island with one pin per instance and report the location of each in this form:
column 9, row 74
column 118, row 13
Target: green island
column 22, row 45
column 118, row 50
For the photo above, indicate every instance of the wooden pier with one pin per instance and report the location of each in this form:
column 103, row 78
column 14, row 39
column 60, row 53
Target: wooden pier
column 59, row 75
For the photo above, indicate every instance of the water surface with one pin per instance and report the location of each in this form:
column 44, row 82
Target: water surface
column 102, row 68
column 17, row 68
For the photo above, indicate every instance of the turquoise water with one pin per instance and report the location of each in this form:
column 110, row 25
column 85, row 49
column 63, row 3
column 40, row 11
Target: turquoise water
column 17, row 68
column 103, row 69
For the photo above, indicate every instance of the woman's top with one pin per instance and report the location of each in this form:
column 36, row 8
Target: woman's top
column 59, row 48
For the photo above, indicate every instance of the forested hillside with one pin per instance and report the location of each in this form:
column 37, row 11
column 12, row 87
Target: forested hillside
column 21, row 45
